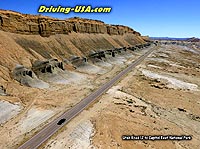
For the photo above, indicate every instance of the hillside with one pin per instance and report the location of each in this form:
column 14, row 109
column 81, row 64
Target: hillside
column 25, row 38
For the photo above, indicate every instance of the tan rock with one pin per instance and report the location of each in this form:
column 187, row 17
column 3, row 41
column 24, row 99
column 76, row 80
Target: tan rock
column 45, row 26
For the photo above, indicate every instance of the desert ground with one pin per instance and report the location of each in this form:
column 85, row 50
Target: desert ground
column 27, row 110
column 159, row 97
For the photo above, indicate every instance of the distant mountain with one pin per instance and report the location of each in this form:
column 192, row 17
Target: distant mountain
column 193, row 39
column 168, row 38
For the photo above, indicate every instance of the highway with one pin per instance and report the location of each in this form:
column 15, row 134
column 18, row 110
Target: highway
column 53, row 127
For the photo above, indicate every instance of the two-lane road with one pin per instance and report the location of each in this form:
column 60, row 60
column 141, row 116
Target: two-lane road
column 53, row 127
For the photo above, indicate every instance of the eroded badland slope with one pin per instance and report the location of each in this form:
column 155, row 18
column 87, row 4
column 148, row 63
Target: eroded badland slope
column 74, row 36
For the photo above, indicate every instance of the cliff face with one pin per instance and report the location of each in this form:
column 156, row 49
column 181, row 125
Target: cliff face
column 45, row 26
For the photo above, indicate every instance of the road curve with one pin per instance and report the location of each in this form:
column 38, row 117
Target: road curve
column 52, row 127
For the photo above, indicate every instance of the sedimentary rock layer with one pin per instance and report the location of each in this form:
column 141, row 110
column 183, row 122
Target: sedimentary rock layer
column 46, row 26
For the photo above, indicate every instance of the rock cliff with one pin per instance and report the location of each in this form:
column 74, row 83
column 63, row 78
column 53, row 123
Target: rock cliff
column 45, row 26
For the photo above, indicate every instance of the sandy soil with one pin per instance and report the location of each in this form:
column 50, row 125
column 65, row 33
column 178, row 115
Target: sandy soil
column 34, row 118
column 160, row 97
column 8, row 110
column 77, row 137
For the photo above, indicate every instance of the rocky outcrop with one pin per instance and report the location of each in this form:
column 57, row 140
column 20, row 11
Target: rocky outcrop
column 102, row 54
column 20, row 72
column 2, row 91
column 52, row 70
column 27, row 77
column 77, row 61
column 45, row 26
column 47, row 66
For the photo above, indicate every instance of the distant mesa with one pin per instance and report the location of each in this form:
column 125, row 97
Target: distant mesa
column 193, row 39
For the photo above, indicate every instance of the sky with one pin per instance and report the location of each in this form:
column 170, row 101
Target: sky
column 155, row 18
